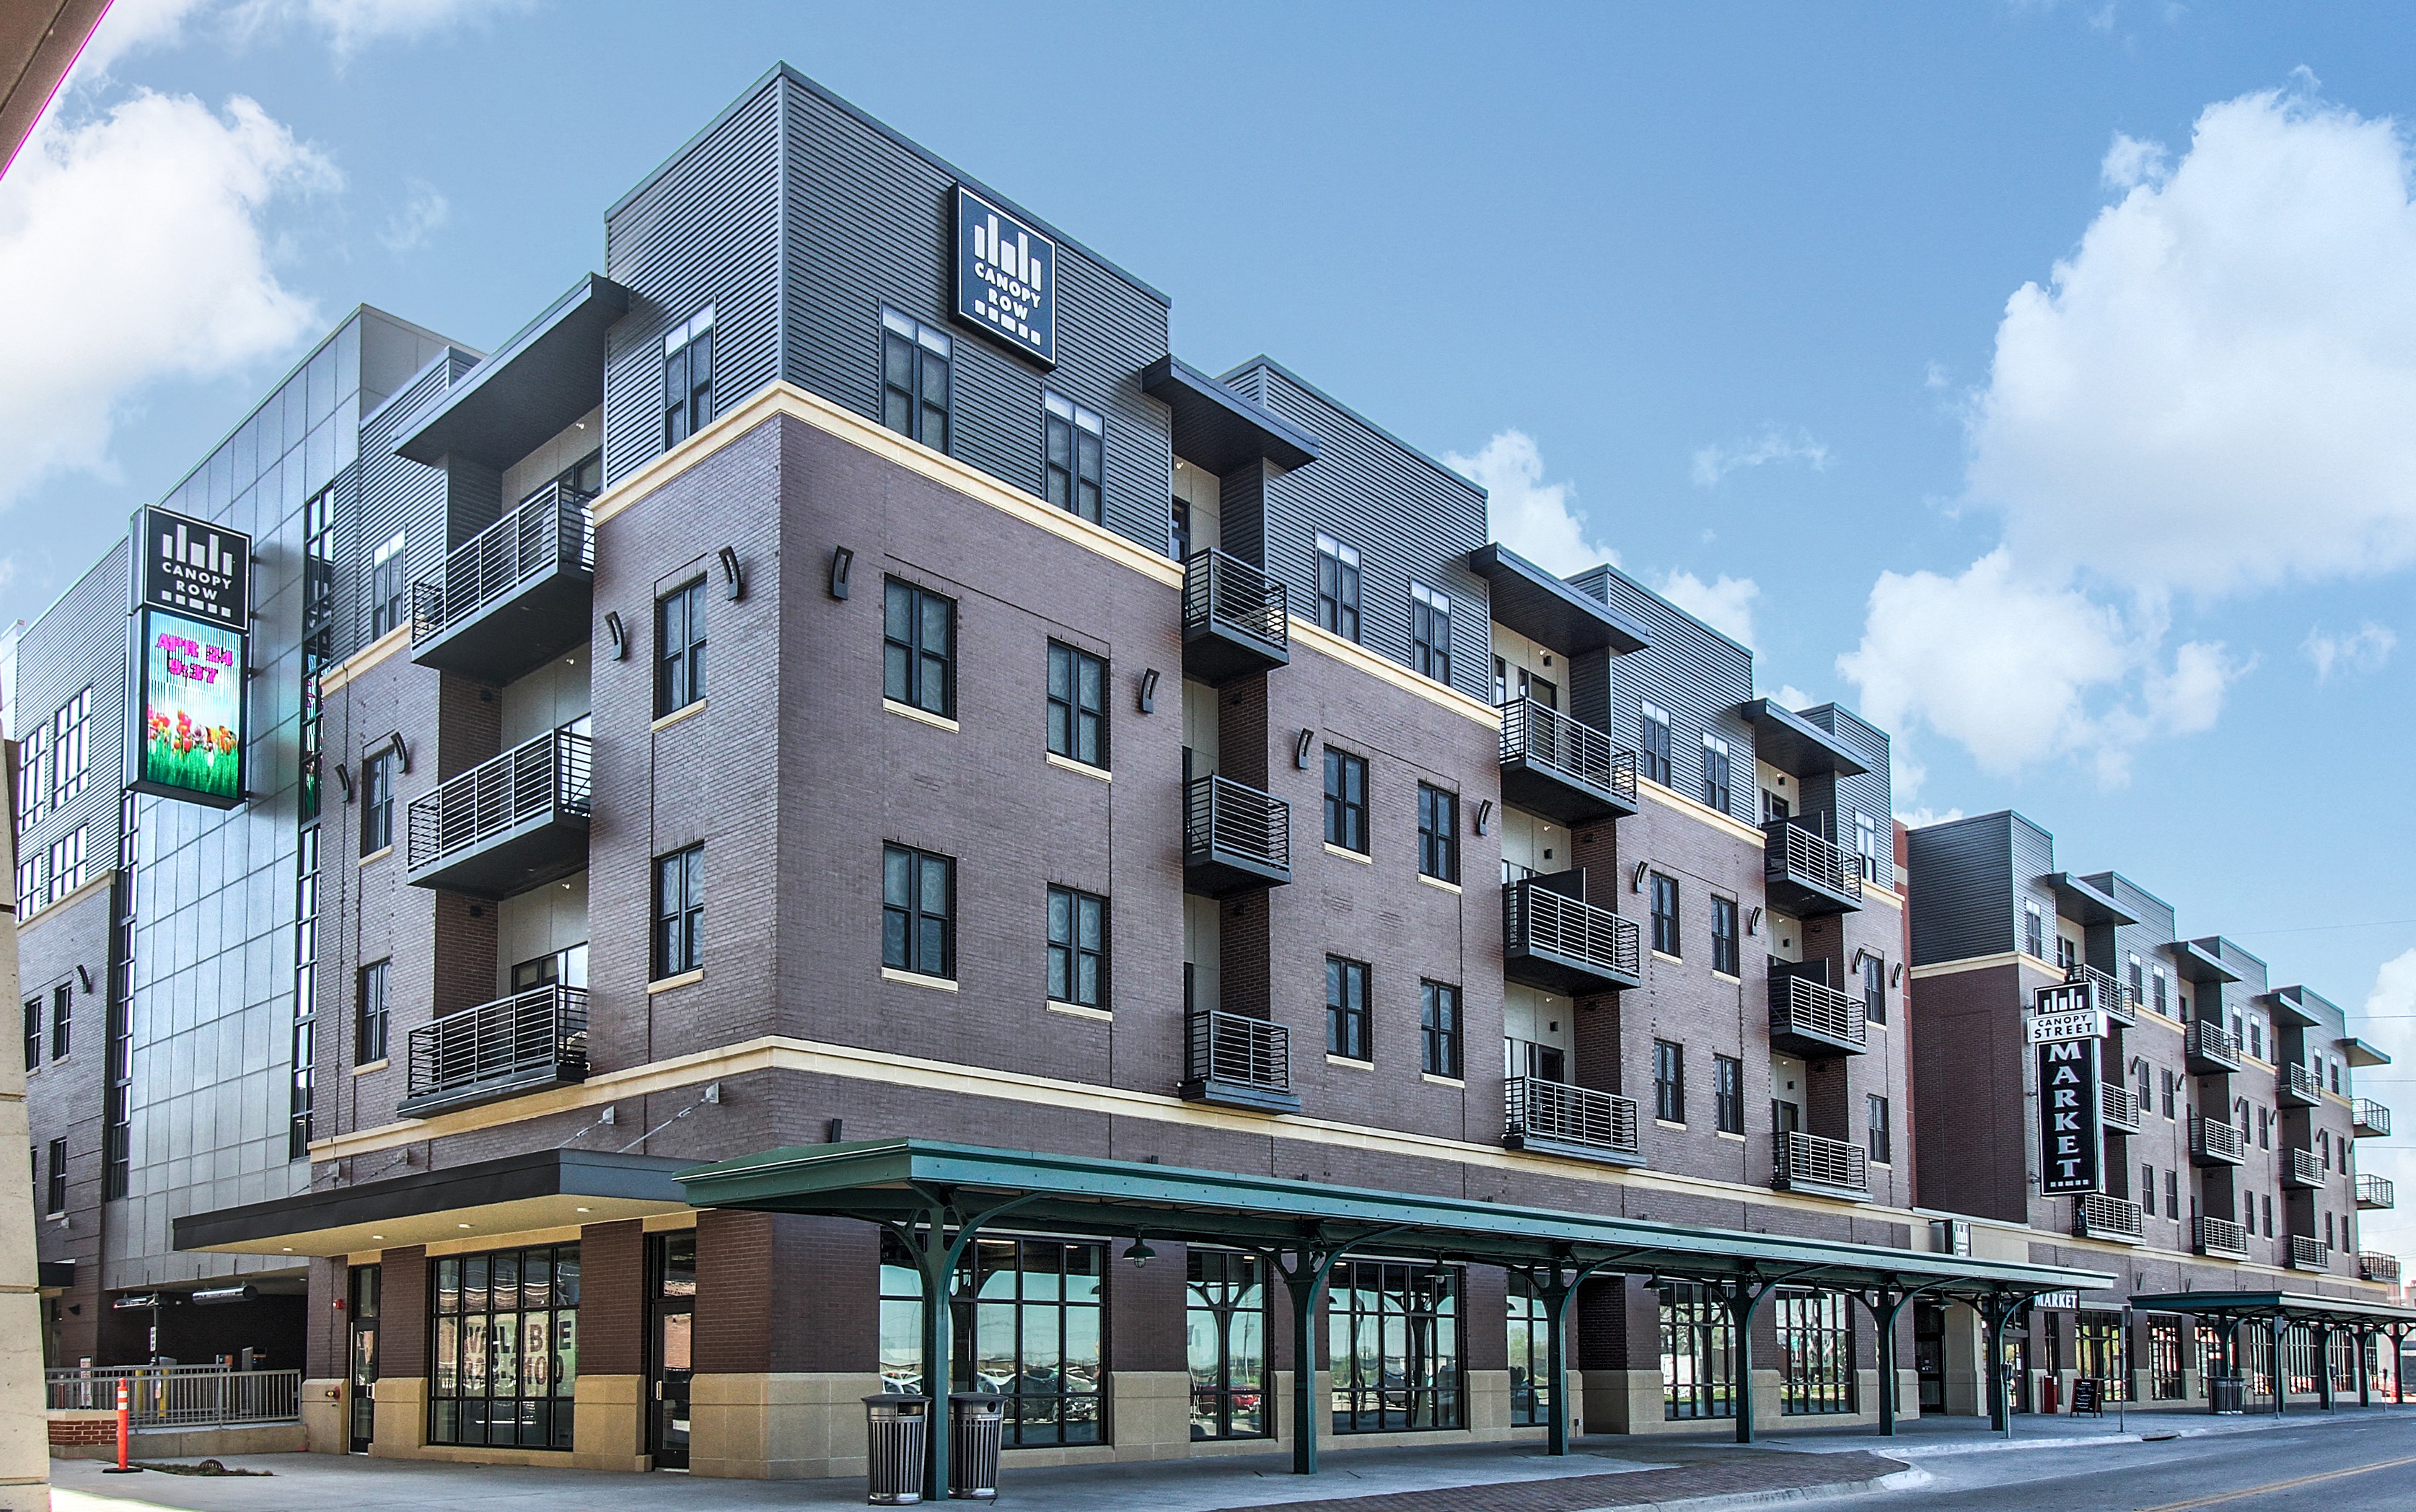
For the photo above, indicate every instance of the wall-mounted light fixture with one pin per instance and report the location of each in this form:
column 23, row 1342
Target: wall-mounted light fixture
column 1862, row 953
column 344, row 780
column 1636, row 882
column 1483, row 814
column 834, row 1130
column 1149, row 692
column 1300, row 749
column 842, row 561
column 84, row 975
column 1753, row 922
column 619, row 633
column 733, row 583
column 1896, row 975
column 401, row 751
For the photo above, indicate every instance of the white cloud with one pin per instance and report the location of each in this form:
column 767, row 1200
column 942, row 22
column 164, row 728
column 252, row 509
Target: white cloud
column 1773, row 445
column 2364, row 649
column 1923, row 817
column 347, row 25
column 1535, row 519
column 143, row 230
column 351, row 26
column 1725, row 604
column 2131, row 162
column 1791, row 697
column 423, row 213
column 2388, row 1025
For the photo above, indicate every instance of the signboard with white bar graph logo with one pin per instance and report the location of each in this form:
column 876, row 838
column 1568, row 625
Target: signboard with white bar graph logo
column 192, row 566
column 1006, row 278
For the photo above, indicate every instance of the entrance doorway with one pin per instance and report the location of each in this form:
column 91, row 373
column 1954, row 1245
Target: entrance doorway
column 1930, row 1354
column 670, row 1313
column 361, row 1311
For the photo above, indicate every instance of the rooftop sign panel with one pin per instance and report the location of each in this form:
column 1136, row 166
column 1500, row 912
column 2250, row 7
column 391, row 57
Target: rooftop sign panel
column 1006, row 278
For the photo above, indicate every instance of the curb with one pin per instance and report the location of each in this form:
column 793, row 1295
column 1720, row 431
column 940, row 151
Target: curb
column 1900, row 1480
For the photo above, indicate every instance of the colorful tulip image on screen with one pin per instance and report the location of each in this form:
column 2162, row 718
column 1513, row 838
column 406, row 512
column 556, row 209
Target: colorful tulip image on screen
column 192, row 707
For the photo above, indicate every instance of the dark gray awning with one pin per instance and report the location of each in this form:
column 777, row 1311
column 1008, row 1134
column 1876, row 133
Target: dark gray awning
column 2198, row 963
column 1219, row 427
column 550, row 373
column 1542, row 607
column 2291, row 1307
column 1795, row 745
column 2084, row 903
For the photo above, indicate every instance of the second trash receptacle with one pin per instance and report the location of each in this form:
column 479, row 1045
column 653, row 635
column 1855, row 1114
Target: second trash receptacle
column 976, row 1421
column 2227, row 1394
column 895, row 1425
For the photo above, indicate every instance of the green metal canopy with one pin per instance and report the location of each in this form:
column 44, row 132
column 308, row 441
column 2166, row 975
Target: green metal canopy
column 2282, row 1310
column 936, row 1196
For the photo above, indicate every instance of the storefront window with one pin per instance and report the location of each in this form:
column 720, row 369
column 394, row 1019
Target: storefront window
column 1028, row 1325
column 1225, row 1341
column 1697, row 1369
column 1531, row 1353
column 2099, row 1338
column 1392, row 1344
column 2165, row 1357
column 1816, row 1347
column 504, row 1342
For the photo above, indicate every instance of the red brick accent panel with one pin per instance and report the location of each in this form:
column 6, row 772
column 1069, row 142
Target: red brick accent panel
column 84, row 1432
column 611, row 1299
column 403, row 1314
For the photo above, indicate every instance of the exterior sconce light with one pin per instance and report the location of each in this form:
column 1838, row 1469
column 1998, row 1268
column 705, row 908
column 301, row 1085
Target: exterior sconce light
column 1752, row 921
column 841, row 561
column 344, row 780
column 1483, row 814
column 620, row 634
column 1149, row 692
column 401, row 751
column 1636, row 882
column 1896, row 975
column 1300, row 749
column 734, row 582
column 84, row 975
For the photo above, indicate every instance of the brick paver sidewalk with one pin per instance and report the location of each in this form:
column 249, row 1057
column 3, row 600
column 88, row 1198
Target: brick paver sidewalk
column 1728, row 1476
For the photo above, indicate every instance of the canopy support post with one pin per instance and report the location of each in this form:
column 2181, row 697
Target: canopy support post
column 936, row 1257
column 1885, row 1303
column 2277, row 1367
column 1994, row 1315
column 1305, row 1278
column 2364, row 1385
column 1743, row 1297
column 1557, row 1292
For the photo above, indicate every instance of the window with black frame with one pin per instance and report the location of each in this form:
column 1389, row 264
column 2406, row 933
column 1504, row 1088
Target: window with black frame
column 1438, row 833
column 2165, row 1358
column 1429, row 632
column 1439, row 1029
column 679, row 913
column 1073, row 456
column 918, row 912
column 1078, row 949
column 1724, row 936
column 1716, row 769
column 1665, row 914
column 1875, row 991
column 1881, row 1145
column 679, row 648
column 54, row 1191
column 687, row 377
column 1728, row 1094
column 1346, row 1008
column 1029, row 1324
column 918, row 661
column 377, row 801
column 504, row 1348
column 1392, row 1345
column 1077, row 705
column 1668, row 1082
column 1530, row 1356
column 1653, row 761
column 389, row 591
column 2099, row 1338
column 916, row 398
column 1346, row 800
column 1225, row 1344
column 1337, row 588
column 1698, row 1354
column 1815, row 1353
column 369, row 1014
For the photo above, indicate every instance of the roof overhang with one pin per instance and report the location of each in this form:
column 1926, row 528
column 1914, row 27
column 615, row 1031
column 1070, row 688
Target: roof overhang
column 548, row 375
column 2291, row 1307
column 1795, row 745
column 1541, row 607
column 2289, row 1004
column 903, row 1179
column 2085, row 905
column 1219, row 427
column 547, row 1190
column 2196, row 964
column 2359, row 1053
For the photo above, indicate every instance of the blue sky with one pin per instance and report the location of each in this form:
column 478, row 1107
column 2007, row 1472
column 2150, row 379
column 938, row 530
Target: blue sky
column 2038, row 376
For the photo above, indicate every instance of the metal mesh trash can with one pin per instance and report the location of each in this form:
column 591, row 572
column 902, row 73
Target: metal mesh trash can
column 895, row 1425
column 2227, row 1394
column 976, row 1423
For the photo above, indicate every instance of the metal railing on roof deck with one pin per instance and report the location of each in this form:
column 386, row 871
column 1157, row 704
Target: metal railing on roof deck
column 1235, row 1049
column 2310, row 1254
column 1792, row 851
column 2097, row 1216
column 2376, row 1191
column 539, row 1037
column 1535, row 918
column 179, row 1396
column 549, row 775
column 1226, row 591
column 1534, row 1108
column 1544, row 736
column 2378, row 1267
column 2221, row 1236
column 2370, row 1118
column 551, row 529
column 1808, row 1159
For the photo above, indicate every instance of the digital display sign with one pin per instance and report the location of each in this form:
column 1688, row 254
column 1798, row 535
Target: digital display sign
column 1006, row 278
column 188, row 732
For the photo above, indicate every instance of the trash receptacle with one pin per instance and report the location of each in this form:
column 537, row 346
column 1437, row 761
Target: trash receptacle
column 2227, row 1394
column 976, row 1423
column 895, row 1425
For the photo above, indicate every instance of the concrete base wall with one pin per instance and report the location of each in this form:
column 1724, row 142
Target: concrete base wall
column 193, row 1442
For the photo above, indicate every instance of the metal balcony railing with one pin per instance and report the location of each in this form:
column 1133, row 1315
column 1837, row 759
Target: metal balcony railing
column 2309, row 1254
column 2209, row 1048
column 179, row 1396
column 1809, row 1017
column 1234, row 1058
column 549, row 778
column 2119, row 1107
column 1810, row 873
column 2375, row 1267
column 2302, row 1169
column 2112, row 995
column 1540, row 742
column 1553, row 1115
column 531, row 1039
column 2300, row 1085
column 1235, row 618
column 2213, row 1142
column 1807, row 1162
column 1585, row 949
column 2096, row 1215
column 549, row 531
column 1235, row 836
column 2371, row 1119
column 2376, row 1191
column 2223, row 1238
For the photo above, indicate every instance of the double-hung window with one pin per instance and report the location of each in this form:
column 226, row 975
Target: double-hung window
column 377, row 800
column 369, row 1014
column 389, row 592
column 1346, row 1008
column 54, row 1195
column 1653, row 742
column 679, row 648
column 71, row 752
column 679, row 913
column 1439, row 1029
column 66, row 863
column 1665, row 914
column 1878, row 1131
column 919, row 649
column 29, row 886
column 1668, row 1082
column 1346, row 800
column 918, row 912
column 1429, row 632
column 33, row 776
column 1728, row 1094
column 1078, row 705
column 1874, row 989
column 1073, row 456
column 687, row 377
column 2034, row 931
column 1716, row 772
column 32, row 1034
column 1438, row 833
column 915, row 396
column 1337, row 588
column 1724, row 936
column 1078, row 949
column 62, row 1020
column 1867, row 845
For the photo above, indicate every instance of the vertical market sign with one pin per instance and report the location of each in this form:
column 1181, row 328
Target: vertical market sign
column 2064, row 1029
column 192, row 617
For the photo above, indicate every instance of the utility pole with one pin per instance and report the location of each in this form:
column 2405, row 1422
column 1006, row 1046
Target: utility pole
column 24, row 1425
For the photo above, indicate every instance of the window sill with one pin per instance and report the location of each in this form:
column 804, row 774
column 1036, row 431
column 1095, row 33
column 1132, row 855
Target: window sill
column 1070, row 765
column 1432, row 1079
column 1725, row 1135
column 1437, row 883
column 1077, row 1010
column 1663, row 1122
column 1364, row 859
column 908, row 711
column 378, row 1064
column 666, row 984
column 675, row 716
column 1350, row 1060
column 916, row 978
column 1674, row 960
column 1719, row 976
column 377, row 855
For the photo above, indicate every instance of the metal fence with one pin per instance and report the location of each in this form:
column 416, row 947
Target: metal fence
column 1800, row 1006
column 1546, row 737
column 549, row 775
column 1793, row 852
column 2100, row 1217
column 540, row 1034
column 1809, row 1160
column 1223, row 818
column 1555, row 1111
column 1535, row 918
column 2221, row 1236
column 1235, row 1049
column 1228, row 592
column 550, row 529
column 180, row 1396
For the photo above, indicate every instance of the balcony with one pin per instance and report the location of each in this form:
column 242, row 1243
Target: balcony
column 509, row 825
column 2119, row 1005
column 1236, row 620
column 1561, row 768
column 1806, row 876
column 2300, row 1168
column 2374, row 1191
column 524, row 1043
column 1235, row 838
column 2300, row 1086
column 2222, row 1239
column 1556, row 943
column 1815, row 1019
column 2373, row 1268
column 2214, row 1142
column 2309, row 1254
column 1234, row 1060
column 2370, row 1119
column 1823, row 1167
column 2095, row 1216
column 2209, row 1049
column 514, row 595
column 2119, row 1107
column 1555, row 1118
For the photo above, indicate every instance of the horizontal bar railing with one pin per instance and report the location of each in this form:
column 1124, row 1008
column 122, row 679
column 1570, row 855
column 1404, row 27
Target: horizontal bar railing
column 1226, row 591
column 2371, row 1116
column 1236, row 1049
column 1792, row 851
column 1535, row 1109
column 2304, row 1168
column 2101, row 1217
column 2376, row 1191
column 542, row 1031
column 2214, row 1139
column 1221, row 815
column 2221, row 1236
column 2375, row 1267
column 554, row 774
column 1543, row 736
column 1799, row 1004
column 2310, row 1254
column 550, row 530
column 2210, row 1041
column 1535, row 918
column 2112, row 995
column 2300, row 1081
column 2118, row 1106
column 1808, row 1158
column 179, row 1396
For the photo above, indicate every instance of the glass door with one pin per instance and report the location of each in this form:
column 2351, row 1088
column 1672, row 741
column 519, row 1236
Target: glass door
column 670, row 1315
column 362, row 1311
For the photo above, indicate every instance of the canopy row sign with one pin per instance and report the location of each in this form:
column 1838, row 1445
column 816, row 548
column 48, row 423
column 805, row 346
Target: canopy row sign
column 189, row 653
column 2064, row 1028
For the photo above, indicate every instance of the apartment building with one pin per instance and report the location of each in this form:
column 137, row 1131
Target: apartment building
column 2229, row 1120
